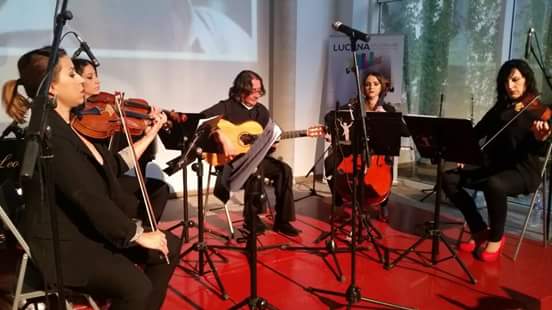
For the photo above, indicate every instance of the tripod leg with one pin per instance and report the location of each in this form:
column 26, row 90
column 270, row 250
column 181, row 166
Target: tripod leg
column 331, row 248
column 223, row 293
column 460, row 262
column 406, row 252
column 377, row 247
column 390, row 305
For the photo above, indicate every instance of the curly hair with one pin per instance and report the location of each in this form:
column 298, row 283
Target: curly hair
column 242, row 85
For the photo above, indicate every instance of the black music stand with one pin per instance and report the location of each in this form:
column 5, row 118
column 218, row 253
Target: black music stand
column 192, row 142
column 185, row 137
column 384, row 130
column 441, row 139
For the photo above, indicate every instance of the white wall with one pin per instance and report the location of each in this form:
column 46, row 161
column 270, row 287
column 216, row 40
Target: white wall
column 291, row 58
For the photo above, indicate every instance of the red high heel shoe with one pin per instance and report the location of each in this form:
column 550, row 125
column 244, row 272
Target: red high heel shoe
column 493, row 256
column 467, row 246
column 474, row 243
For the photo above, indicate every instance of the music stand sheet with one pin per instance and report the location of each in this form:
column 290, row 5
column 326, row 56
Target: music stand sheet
column 384, row 132
column 452, row 139
column 383, row 129
column 236, row 173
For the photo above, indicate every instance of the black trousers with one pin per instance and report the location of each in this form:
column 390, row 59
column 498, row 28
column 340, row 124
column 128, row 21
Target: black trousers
column 119, row 277
column 281, row 174
column 495, row 185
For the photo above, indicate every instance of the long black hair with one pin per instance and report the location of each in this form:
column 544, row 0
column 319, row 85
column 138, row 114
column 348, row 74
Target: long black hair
column 503, row 74
column 242, row 84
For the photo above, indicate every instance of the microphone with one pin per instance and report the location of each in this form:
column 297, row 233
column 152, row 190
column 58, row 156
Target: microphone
column 528, row 43
column 353, row 33
column 84, row 47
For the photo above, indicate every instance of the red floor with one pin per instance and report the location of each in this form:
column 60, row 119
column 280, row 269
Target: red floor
column 284, row 277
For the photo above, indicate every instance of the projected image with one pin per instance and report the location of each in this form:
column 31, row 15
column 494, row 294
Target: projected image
column 162, row 29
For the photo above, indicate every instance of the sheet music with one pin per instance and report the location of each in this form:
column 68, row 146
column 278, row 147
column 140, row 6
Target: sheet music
column 236, row 173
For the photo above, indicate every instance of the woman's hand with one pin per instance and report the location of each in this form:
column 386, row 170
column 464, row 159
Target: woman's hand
column 159, row 119
column 541, row 130
column 154, row 241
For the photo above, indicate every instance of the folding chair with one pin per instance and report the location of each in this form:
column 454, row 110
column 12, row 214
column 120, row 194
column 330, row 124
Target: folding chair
column 546, row 219
column 24, row 289
column 213, row 171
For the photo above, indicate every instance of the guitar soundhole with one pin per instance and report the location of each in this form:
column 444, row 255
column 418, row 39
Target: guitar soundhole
column 247, row 139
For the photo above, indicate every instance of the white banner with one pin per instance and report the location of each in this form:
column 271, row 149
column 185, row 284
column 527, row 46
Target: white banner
column 383, row 54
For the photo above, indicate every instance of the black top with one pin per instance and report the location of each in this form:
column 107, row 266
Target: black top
column 515, row 147
column 90, row 203
column 235, row 112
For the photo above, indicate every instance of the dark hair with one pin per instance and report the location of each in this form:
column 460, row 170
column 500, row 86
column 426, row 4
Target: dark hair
column 32, row 68
column 81, row 63
column 242, row 84
column 385, row 83
column 525, row 70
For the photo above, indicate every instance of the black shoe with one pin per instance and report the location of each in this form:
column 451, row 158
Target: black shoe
column 286, row 229
column 260, row 227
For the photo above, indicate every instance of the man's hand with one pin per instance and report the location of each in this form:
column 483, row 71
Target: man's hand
column 227, row 146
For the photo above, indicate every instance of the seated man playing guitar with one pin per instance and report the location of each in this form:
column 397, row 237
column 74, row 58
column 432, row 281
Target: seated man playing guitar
column 239, row 108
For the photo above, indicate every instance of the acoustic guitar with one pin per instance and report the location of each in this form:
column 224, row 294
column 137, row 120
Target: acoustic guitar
column 244, row 135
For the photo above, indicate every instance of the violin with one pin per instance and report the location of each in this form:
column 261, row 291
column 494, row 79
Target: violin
column 534, row 106
column 530, row 104
column 99, row 118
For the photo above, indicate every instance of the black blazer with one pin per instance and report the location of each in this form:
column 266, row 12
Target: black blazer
column 89, row 202
column 515, row 147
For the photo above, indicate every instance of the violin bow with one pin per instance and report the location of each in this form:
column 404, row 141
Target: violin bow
column 119, row 99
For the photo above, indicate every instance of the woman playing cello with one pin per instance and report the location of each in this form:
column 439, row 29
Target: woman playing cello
column 375, row 87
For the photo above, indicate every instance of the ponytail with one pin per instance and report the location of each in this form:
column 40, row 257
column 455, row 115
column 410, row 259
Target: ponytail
column 16, row 105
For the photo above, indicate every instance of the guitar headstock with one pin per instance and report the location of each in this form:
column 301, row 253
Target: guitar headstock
column 316, row 131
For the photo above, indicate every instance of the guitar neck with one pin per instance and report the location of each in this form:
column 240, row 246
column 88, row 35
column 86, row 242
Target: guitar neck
column 293, row 134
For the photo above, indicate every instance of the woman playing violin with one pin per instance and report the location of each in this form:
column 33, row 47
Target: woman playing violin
column 375, row 88
column 100, row 244
column 158, row 190
column 512, row 159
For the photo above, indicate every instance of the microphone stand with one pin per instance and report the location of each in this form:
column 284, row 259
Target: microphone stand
column 540, row 62
column 360, row 147
column 37, row 147
column 330, row 247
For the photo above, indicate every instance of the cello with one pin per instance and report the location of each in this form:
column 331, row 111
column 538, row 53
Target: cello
column 377, row 179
